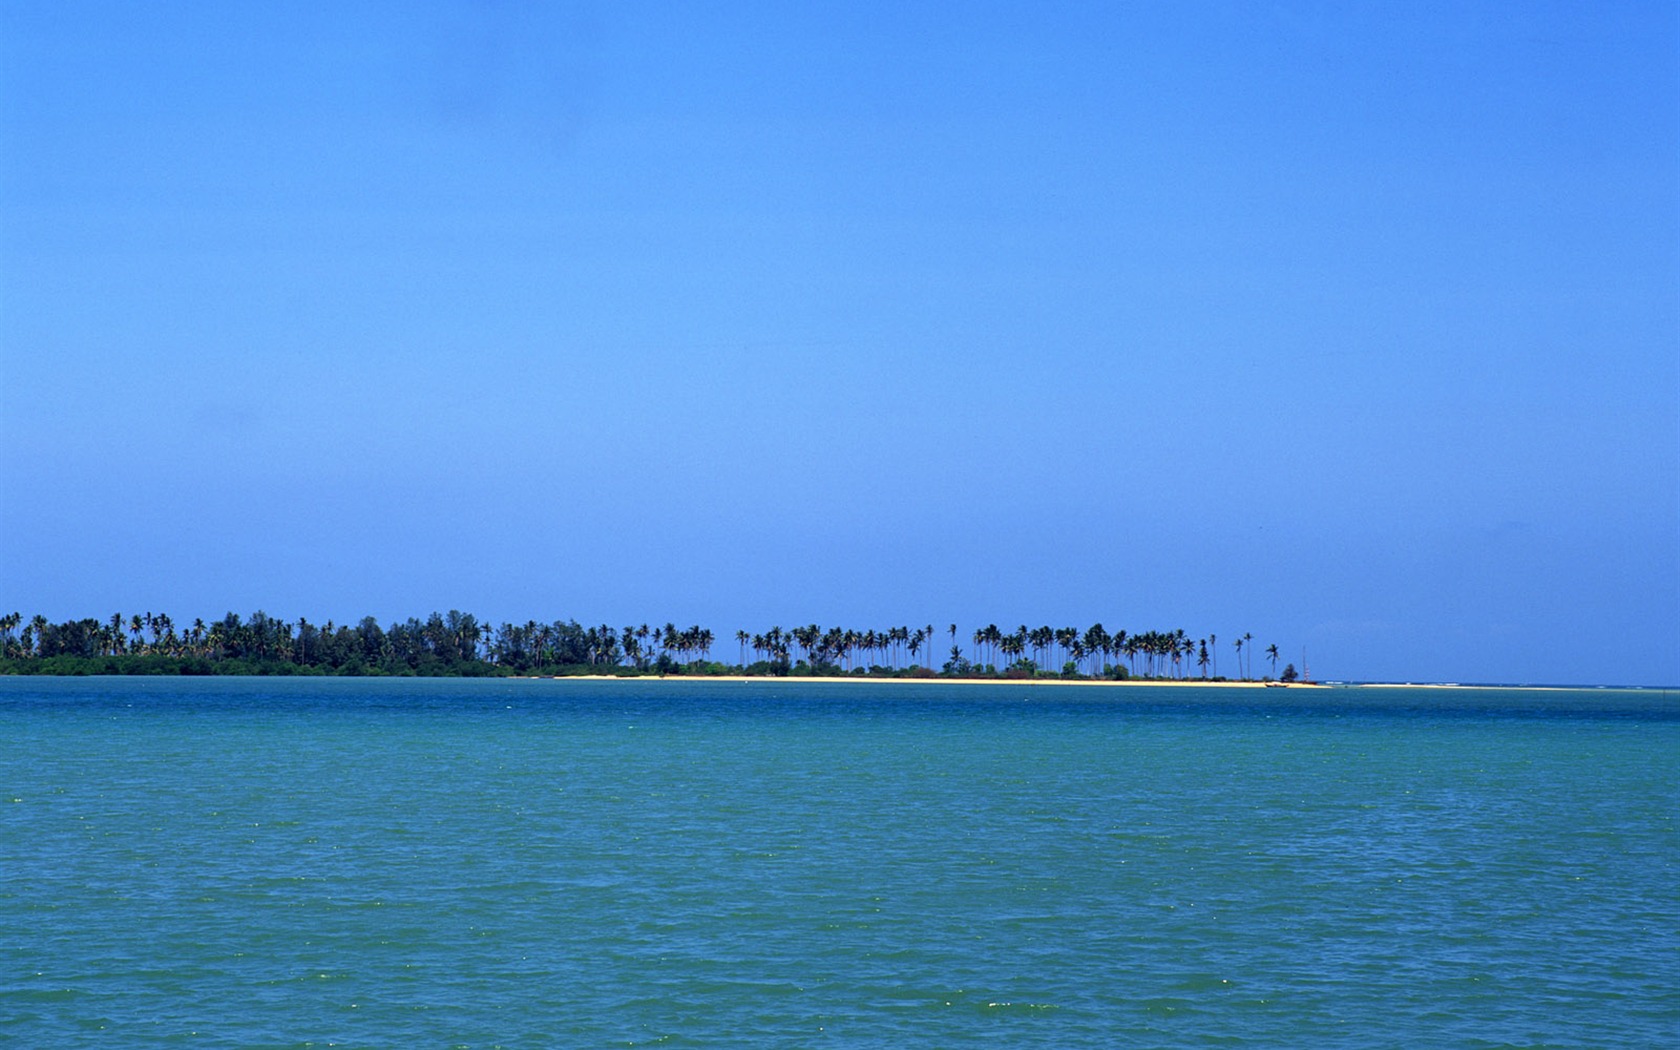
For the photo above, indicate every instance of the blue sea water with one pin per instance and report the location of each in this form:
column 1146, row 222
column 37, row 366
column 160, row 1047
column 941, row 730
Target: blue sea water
column 302, row 863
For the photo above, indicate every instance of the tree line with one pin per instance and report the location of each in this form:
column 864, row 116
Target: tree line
column 458, row 643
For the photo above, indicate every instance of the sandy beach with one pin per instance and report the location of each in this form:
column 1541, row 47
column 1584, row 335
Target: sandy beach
column 1133, row 683
column 1035, row 682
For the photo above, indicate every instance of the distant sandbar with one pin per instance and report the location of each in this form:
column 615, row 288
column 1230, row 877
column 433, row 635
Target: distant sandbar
column 881, row 680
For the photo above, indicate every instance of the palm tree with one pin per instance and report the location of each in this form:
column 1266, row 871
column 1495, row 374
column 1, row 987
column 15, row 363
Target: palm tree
column 1041, row 639
column 1272, row 652
column 1096, row 643
column 806, row 638
column 1068, row 639
column 8, row 624
column 1013, row 645
column 1249, row 638
column 1239, row 658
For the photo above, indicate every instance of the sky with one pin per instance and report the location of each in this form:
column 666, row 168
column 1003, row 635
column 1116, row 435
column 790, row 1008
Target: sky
column 1353, row 328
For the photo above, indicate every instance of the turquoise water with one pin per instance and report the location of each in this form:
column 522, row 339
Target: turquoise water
column 280, row 863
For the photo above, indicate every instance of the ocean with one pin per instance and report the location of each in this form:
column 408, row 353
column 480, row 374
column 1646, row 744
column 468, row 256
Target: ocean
column 495, row 863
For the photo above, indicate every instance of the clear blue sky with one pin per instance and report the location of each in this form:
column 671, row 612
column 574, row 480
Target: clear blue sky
column 1354, row 327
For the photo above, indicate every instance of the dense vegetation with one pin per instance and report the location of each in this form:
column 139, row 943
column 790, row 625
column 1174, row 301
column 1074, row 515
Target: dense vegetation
column 457, row 643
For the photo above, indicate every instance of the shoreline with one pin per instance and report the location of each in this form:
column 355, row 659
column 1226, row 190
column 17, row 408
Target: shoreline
column 864, row 680
column 1135, row 683
column 746, row 680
